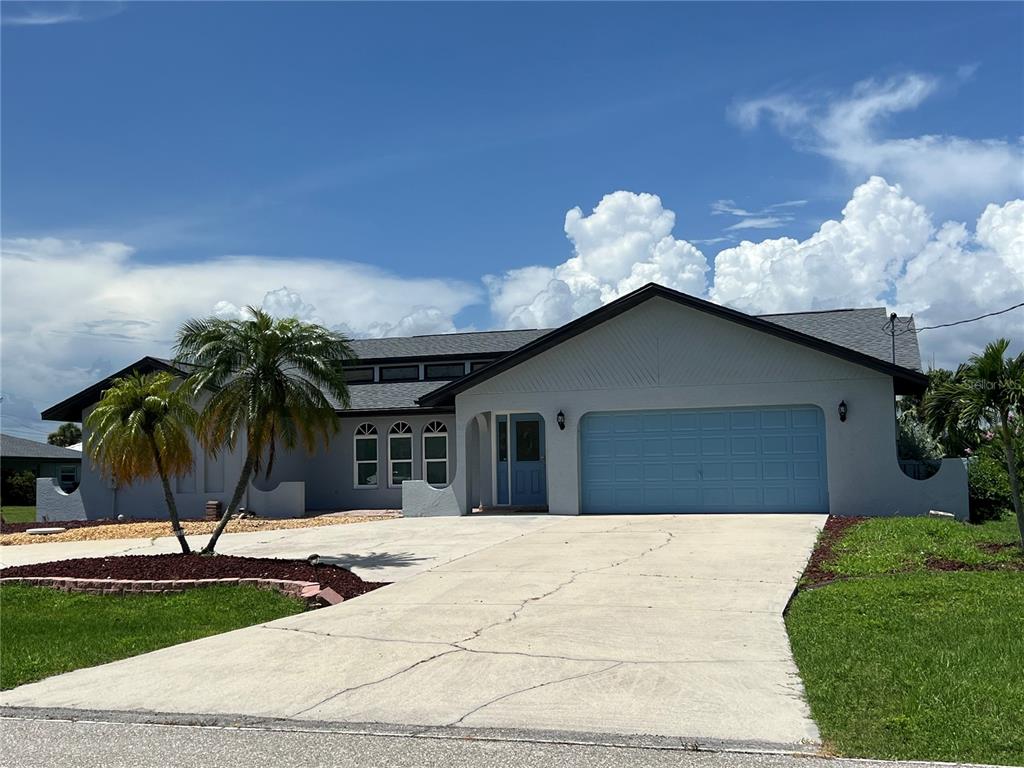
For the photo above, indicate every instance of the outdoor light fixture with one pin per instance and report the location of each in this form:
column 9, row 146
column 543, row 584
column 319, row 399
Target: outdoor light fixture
column 560, row 418
column 842, row 410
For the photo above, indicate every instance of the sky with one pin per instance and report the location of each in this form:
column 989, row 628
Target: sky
column 389, row 169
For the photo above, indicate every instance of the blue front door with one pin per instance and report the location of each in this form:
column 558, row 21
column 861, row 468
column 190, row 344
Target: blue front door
column 526, row 449
column 729, row 460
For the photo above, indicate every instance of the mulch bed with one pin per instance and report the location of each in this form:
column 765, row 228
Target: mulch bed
column 160, row 567
column 815, row 575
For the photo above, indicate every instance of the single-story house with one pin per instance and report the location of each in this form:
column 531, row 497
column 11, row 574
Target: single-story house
column 658, row 402
column 41, row 459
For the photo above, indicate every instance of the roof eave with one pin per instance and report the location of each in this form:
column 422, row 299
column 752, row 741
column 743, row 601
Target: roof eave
column 70, row 408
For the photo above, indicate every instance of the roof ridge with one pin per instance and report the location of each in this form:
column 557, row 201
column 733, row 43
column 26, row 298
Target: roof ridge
column 821, row 311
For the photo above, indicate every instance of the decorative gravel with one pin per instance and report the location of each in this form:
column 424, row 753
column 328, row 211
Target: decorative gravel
column 162, row 567
column 95, row 530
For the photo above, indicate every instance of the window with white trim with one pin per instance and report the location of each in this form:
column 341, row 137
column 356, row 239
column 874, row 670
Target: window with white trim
column 365, row 456
column 399, row 454
column 435, row 453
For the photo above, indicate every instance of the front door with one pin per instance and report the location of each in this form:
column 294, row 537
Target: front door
column 529, row 486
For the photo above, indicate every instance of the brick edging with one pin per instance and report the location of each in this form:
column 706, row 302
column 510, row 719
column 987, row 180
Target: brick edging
column 310, row 591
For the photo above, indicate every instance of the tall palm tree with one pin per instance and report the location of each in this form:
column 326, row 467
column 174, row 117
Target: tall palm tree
column 270, row 380
column 139, row 430
column 987, row 390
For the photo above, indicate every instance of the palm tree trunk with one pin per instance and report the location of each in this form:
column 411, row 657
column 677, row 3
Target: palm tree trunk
column 1011, row 467
column 172, row 506
column 236, row 498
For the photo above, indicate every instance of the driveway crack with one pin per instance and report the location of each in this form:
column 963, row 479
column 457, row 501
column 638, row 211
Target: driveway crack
column 369, row 683
column 510, row 694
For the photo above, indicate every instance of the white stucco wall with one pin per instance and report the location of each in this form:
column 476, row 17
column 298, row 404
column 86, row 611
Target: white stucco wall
column 661, row 355
column 325, row 477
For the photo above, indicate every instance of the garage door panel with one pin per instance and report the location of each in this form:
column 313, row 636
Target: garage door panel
column 767, row 460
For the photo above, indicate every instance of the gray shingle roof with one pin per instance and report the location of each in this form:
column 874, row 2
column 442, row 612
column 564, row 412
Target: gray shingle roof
column 862, row 330
column 390, row 395
column 12, row 447
column 477, row 343
column 857, row 329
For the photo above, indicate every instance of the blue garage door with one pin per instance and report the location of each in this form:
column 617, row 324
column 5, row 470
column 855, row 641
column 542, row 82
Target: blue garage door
column 735, row 460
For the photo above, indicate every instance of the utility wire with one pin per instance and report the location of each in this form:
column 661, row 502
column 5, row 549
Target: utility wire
column 908, row 329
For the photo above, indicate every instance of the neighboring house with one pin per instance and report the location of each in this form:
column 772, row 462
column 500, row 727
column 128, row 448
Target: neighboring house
column 42, row 459
column 658, row 402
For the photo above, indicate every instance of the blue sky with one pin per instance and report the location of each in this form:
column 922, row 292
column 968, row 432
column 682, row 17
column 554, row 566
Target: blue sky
column 423, row 147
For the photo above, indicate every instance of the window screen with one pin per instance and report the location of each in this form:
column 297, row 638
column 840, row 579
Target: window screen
column 445, row 370
column 400, row 373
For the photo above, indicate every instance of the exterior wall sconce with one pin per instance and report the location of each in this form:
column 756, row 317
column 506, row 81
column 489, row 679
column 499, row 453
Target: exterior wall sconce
column 560, row 418
column 843, row 410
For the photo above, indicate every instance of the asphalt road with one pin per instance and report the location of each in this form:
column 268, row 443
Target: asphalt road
column 27, row 743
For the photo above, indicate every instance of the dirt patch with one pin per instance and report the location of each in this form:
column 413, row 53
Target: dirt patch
column 95, row 530
column 994, row 548
column 163, row 567
column 816, row 574
column 942, row 564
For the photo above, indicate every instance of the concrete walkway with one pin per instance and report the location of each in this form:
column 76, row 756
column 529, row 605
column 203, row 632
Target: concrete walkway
column 382, row 550
column 668, row 625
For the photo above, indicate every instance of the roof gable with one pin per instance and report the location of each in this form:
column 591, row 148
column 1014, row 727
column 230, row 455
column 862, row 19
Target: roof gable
column 905, row 379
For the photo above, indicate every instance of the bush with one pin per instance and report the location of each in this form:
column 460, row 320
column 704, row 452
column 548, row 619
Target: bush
column 914, row 441
column 19, row 488
column 989, row 485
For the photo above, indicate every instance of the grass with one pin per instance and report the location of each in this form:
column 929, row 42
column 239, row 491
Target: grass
column 923, row 666
column 905, row 662
column 19, row 514
column 901, row 544
column 45, row 632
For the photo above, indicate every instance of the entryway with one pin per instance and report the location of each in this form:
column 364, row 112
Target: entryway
column 520, row 476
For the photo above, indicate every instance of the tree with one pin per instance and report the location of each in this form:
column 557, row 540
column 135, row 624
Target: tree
column 66, row 434
column 269, row 380
column 140, row 430
column 987, row 390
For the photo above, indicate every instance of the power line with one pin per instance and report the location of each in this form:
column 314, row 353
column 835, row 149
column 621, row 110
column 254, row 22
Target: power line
column 909, row 329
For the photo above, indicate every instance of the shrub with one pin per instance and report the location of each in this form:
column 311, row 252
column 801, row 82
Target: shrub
column 989, row 485
column 19, row 488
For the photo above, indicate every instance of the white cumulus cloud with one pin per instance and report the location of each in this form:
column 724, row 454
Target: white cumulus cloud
column 625, row 242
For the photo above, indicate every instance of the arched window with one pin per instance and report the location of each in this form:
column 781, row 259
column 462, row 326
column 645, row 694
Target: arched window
column 435, row 453
column 399, row 454
column 365, row 456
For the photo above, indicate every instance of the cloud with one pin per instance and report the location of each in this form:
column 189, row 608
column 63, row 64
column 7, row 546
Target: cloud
column 941, row 170
column 844, row 263
column 759, row 222
column 38, row 14
column 885, row 250
column 76, row 311
column 770, row 217
column 625, row 242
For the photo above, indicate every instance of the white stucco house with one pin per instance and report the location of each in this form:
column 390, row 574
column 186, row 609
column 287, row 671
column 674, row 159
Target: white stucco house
column 658, row 402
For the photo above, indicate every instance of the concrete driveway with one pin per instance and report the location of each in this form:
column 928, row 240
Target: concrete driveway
column 665, row 625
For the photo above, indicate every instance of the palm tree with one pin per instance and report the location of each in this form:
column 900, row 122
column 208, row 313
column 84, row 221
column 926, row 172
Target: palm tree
column 139, row 430
column 269, row 380
column 66, row 434
column 987, row 390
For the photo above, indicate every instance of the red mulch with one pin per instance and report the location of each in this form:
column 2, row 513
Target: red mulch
column 159, row 567
column 22, row 527
column 835, row 528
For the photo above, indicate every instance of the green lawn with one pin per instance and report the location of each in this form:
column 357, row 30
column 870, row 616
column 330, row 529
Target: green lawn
column 45, row 632
column 19, row 514
column 903, row 662
column 894, row 544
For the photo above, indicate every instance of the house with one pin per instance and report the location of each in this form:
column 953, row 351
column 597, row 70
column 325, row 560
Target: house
column 657, row 402
column 41, row 459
